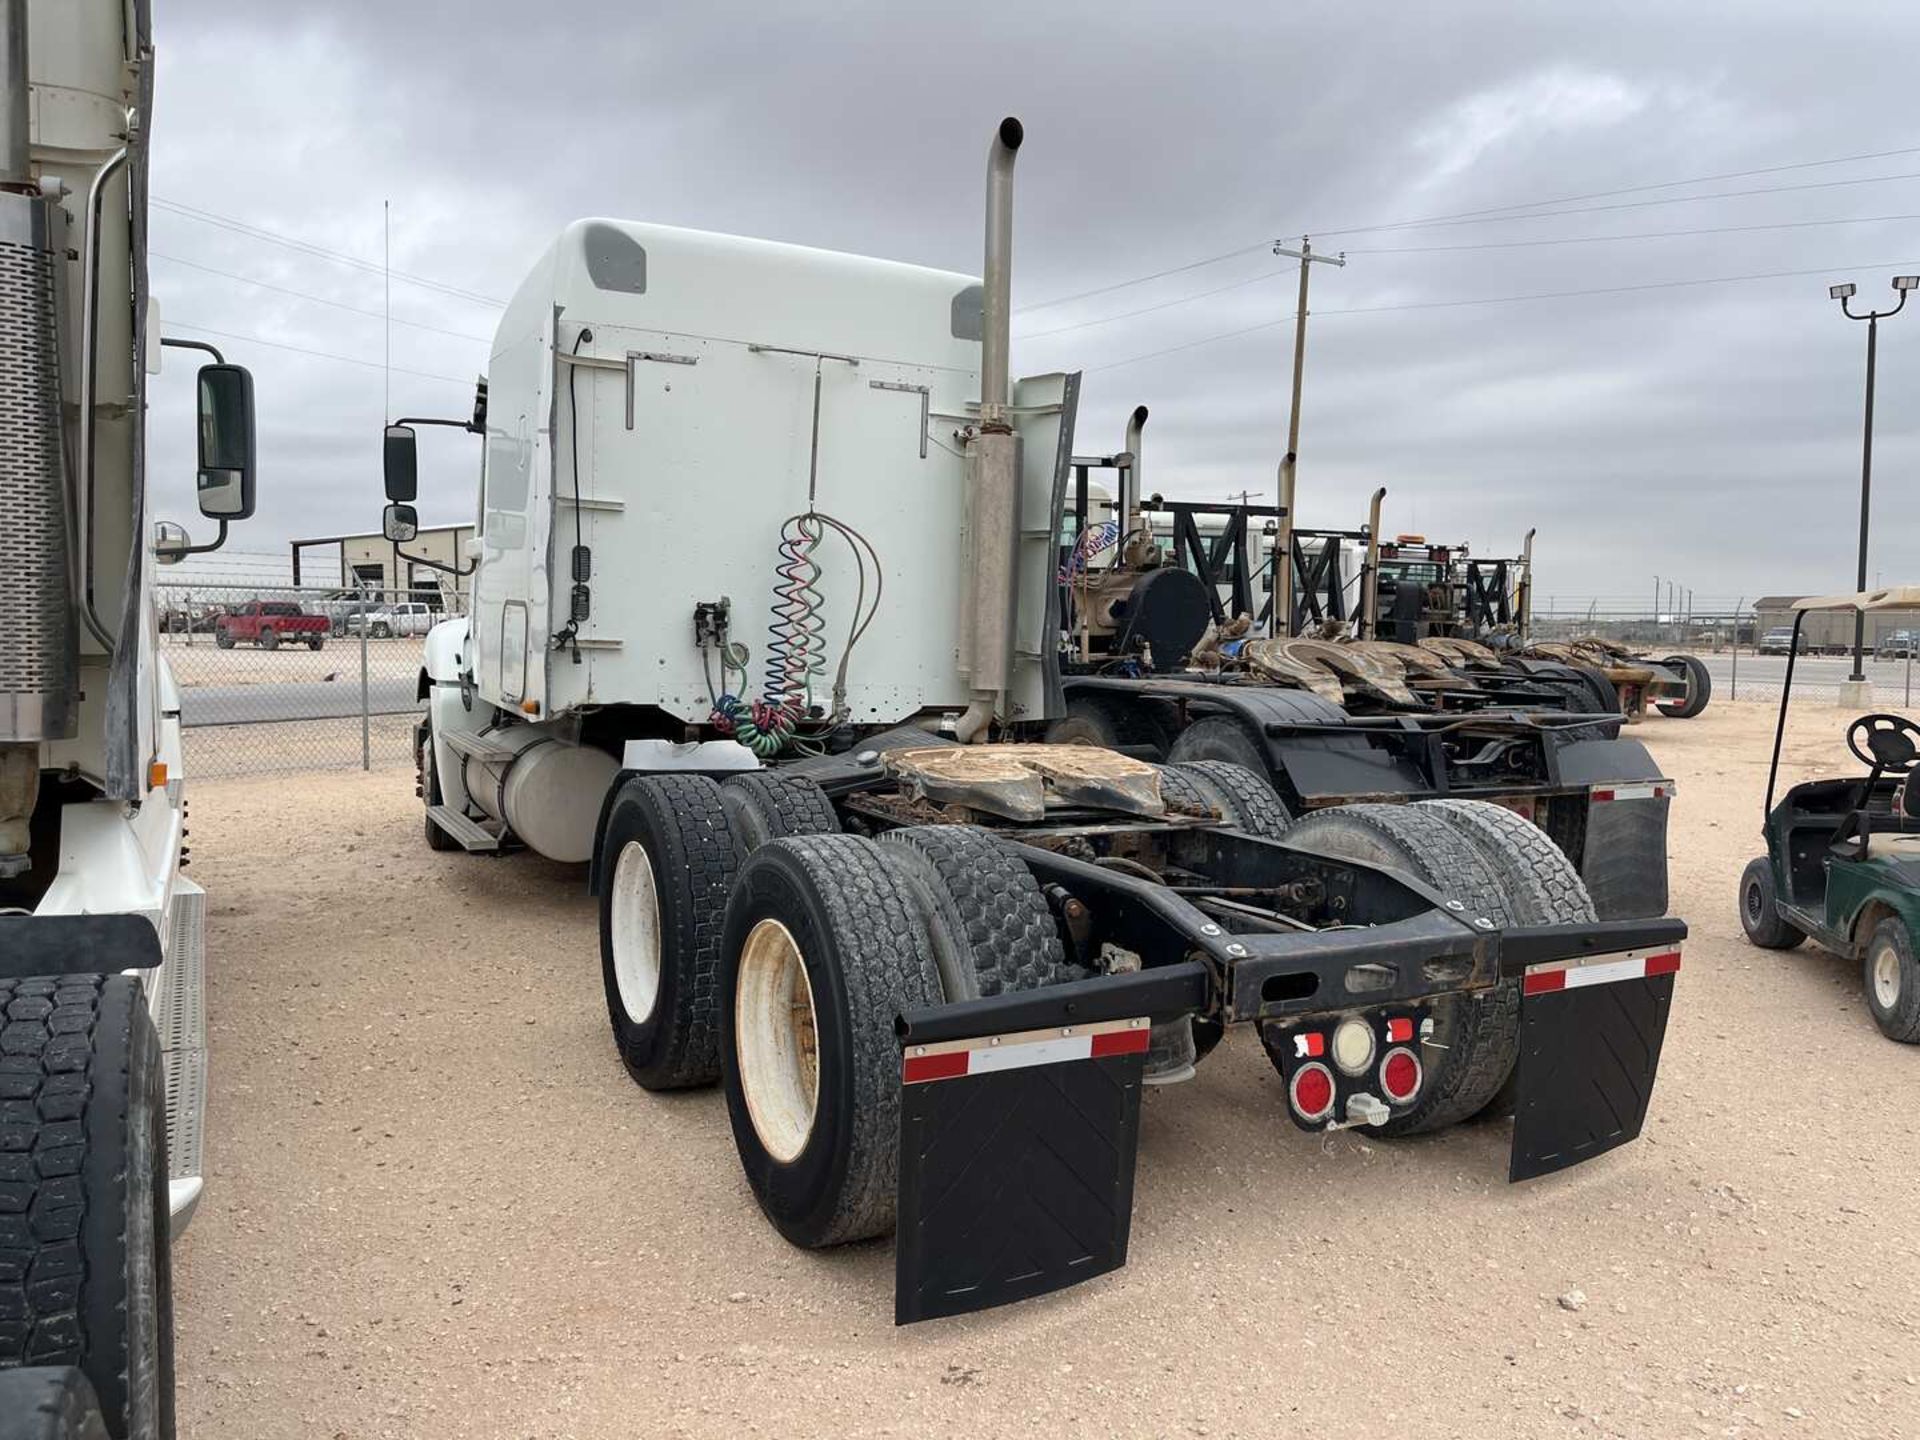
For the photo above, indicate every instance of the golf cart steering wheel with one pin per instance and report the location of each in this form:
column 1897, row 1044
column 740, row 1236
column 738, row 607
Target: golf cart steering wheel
column 1888, row 743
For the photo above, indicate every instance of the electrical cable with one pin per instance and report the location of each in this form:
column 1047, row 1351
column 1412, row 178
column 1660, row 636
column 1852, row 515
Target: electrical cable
column 1495, row 213
column 316, row 299
column 307, row 247
column 1493, row 300
column 316, row 354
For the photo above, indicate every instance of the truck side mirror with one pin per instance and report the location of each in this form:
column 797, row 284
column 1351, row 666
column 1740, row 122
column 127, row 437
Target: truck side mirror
column 400, row 523
column 171, row 544
column 402, row 467
column 225, row 483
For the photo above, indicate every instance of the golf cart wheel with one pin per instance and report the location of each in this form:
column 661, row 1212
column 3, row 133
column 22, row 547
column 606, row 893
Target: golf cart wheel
column 762, row 807
column 824, row 945
column 1476, row 1037
column 1243, row 799
column 84, row 1264
column 1699, row 689
column 269, row 638
column 1760, row 909
column 989, row 926
column 223, row 638
column 1893, row 981
column 49, row 1402
column 1111, row 725
column 437, row 839
column 666, row 863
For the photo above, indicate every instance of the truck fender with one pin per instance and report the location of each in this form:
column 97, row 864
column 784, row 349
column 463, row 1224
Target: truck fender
column 447, row 705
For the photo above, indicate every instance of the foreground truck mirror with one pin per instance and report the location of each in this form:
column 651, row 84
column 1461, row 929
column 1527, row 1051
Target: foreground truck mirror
column 402, row 467
column 400, row 523
column 225, row 486
column 171, row 543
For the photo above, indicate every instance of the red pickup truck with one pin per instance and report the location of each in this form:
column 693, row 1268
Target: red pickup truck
column 269, row 622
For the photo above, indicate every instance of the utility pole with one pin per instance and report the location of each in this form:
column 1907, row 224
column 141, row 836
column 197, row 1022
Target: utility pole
column 1283, row 536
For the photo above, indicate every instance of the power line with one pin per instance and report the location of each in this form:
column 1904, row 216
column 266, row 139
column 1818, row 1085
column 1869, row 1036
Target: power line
column 1639, row 235
column 1140, row 279
column 1495, row 300
column 1625, row 190
column 317, row 354
column 1495, row 211
column 316, row 299
column 1635, row 204
column 1163, row 305
column 307, row 247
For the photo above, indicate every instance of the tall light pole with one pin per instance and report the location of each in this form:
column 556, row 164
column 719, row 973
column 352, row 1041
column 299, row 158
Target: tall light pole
column 1903, row 285
column 1283, row 536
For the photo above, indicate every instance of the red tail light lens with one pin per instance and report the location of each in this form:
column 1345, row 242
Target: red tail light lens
column 1400, row 1075
column 1311, row 1092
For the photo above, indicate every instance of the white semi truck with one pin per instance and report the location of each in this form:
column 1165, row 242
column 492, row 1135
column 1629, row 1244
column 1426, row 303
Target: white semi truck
column 102, row 938
column 766, row 607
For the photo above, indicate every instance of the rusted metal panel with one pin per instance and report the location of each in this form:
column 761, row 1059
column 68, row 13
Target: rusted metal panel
column 1018, row 782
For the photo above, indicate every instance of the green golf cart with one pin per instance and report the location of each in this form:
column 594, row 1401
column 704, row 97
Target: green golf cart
column 1843, row 856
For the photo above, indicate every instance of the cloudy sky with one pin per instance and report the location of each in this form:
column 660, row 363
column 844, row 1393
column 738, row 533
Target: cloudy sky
column 1665, row 413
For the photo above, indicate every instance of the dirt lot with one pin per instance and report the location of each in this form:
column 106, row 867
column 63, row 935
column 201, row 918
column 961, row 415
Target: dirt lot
column 437, row 1207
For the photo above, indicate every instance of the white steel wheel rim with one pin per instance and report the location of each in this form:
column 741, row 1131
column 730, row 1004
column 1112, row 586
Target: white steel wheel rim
column 636, row 932
column 777, row 1041
column 1886, row 976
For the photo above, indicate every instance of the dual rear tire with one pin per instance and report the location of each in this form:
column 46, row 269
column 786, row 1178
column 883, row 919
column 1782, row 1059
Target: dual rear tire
column 742, row 940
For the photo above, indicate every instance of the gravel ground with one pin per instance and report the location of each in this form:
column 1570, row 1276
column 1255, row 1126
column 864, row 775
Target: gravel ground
column 436, row 1206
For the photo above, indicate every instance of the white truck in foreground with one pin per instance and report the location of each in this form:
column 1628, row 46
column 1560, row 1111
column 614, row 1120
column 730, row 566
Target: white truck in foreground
column 930, row 962
column 102, row 938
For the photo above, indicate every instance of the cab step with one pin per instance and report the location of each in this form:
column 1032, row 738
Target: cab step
column 473, row 835
column 180, row 1017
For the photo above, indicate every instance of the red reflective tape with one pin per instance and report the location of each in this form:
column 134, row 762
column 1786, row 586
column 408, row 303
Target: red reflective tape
column 1602, row 795
column 1312, row 1043
column 1663, row 964
column 1399, row 1030
column 1121, row 1042
column 917, row 1069
column 1544, row 982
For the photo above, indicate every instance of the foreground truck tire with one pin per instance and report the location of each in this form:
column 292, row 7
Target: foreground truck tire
column 823, row 947
column 667, row 861
column 1475, row 1038
column 51, row 1402
column 84, row 1267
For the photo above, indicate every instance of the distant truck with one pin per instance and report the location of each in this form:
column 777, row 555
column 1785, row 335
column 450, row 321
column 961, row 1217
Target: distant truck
column 267, row 623
column 411, row 618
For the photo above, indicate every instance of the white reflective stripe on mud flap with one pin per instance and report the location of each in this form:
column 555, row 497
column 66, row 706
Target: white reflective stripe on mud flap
column 1555, row 975
column 982, row 1054
column 1648, row 790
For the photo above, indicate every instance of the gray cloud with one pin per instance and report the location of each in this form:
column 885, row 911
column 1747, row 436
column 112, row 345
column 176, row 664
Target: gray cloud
column 1708, row 432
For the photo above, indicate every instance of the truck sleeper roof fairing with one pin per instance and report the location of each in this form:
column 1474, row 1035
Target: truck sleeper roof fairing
column 754, row 292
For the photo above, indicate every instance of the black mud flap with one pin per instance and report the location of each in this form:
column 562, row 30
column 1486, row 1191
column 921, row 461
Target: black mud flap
column 1590, row 1034
column 1625, row 853
column 1016, row 1165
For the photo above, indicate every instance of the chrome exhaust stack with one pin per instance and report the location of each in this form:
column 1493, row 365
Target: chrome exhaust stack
column 1524, row 610
column 990, row 553
column 39, row 633
column 1132, row 494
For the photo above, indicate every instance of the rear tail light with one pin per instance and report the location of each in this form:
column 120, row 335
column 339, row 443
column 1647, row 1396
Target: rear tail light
column 1311, row 1091
column 1400, row 1075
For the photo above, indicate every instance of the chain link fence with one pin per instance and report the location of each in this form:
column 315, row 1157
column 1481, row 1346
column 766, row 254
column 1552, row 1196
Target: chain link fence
column 1745, row 649
column 275, row 679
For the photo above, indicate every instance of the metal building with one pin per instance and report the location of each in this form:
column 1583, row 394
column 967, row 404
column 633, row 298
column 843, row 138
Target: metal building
column 350, row 561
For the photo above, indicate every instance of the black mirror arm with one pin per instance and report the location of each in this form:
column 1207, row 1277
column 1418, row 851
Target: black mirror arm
column 467, row 425
column 169, row 342
column 213, row 544
column 439, row 565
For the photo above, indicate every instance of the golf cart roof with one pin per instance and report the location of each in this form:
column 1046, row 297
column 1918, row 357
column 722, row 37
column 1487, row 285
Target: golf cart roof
column 1895, row 597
